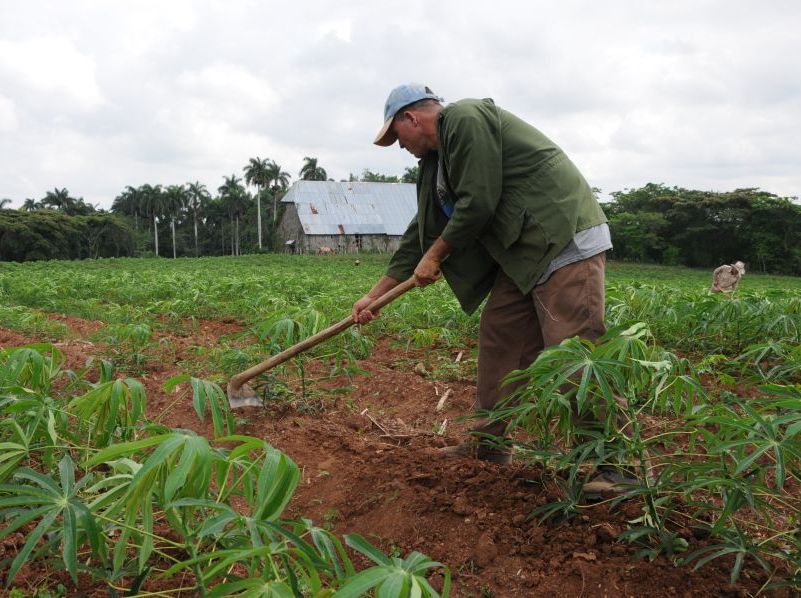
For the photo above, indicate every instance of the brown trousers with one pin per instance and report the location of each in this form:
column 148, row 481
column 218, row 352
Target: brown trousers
column 516, row 327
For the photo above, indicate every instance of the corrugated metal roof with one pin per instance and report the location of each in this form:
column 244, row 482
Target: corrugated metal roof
column 330, row 207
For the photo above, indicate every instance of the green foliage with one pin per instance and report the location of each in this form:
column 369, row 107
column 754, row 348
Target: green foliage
column 207, row 396
column 61, row 200
column 143, row 494
column 60, row 512
column 112, row 410
column 705, row 229
column 48, row 234
column 128, row 345
column 29, row 370
column 391, row 576
column 31, row 322
column 311, row 171
column 698, row 322
column 33, row 418
column 709, row 427
column 374, row 177
column 728, row 467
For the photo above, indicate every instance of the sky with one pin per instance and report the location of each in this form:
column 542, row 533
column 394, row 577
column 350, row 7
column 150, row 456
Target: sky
column 96, row 95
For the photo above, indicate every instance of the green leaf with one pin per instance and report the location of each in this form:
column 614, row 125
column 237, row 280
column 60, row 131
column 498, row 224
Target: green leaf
column 277, row 481
column 146, row 548
column 229, row 557
column 357, row 542
column 125, row 449
column 173, row 381
column 33, row 539
column 395, row 585
column 362, row 582
column 331, row 550
column 70, row 544
column 25, row 516
column 209, row 393
column 256, row 588
column 748, row 461
column 46, row 483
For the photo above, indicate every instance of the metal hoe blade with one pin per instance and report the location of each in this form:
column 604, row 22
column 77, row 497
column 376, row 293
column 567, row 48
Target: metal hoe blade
column 245, row 396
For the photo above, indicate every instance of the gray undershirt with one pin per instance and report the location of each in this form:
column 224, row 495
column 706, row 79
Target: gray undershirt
column 585, row 244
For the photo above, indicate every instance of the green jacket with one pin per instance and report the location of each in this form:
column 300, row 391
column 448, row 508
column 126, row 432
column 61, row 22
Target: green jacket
column 518, row 201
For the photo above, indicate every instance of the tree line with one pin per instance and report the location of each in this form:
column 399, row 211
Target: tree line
column 676, row 226
column 221, row 223
column 654, row 223
column 241, row 215
column 51, row 234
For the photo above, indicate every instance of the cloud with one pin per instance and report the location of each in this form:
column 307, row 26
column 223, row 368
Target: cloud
column 95, row 96
column 53, row 66
column 8, row 115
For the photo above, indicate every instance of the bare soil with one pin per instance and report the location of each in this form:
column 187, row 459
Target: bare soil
column 370, row 465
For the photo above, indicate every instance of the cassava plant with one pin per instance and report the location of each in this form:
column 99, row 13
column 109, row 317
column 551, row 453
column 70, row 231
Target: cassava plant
column 146, row 501
column 725, row 469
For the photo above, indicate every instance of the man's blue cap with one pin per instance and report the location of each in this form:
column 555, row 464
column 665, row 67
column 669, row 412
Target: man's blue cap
column 399, row 98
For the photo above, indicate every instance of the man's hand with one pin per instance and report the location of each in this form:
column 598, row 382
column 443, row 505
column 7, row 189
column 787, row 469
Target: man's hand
column 427, row 271
column 361, row 315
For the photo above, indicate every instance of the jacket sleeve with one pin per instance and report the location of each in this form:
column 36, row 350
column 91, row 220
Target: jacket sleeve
column 471, row 142
column 405, row 259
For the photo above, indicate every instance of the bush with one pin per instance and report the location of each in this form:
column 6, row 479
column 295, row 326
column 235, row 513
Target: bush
column 47, row 234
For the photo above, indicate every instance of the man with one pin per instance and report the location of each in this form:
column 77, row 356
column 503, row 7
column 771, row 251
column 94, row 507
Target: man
column 501, row 211
column 725, row 278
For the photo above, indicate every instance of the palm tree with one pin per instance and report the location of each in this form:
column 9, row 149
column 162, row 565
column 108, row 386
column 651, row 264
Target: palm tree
column 175, row 200
column 79, row 207
column 58, row 199
column 4, row 202
column 256, row 174
column 235, row 198
column 215, row 213
column 129, row 202
column 30, row 205
column 311, row 172
column 199, row 197
column 153, row 207
column 279, row 181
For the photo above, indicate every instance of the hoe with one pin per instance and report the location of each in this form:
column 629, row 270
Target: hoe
column 242, row 395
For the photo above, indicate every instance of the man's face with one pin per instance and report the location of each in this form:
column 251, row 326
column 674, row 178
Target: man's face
column 409, row 130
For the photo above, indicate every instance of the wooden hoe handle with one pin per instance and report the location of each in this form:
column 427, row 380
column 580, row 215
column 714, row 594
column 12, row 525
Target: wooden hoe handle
column 238, row 380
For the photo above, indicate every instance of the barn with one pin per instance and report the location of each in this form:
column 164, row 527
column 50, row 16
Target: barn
column 348, row 217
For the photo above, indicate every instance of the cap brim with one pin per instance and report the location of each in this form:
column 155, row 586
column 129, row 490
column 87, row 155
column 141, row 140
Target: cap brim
column 386, row 136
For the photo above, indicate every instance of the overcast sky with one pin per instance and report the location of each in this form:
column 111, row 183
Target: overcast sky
column 99, row 94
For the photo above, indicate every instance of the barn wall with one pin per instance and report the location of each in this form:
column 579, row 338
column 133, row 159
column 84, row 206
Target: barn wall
column 290, row 228
column 349, row 243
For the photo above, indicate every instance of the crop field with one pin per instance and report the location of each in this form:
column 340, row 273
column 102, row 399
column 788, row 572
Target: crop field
column 124, row 472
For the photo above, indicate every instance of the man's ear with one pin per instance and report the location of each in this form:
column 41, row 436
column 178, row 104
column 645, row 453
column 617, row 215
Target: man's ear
column 410, row 116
